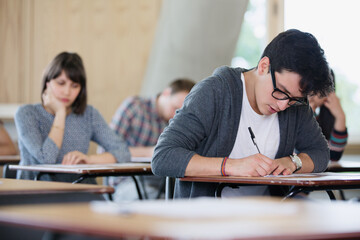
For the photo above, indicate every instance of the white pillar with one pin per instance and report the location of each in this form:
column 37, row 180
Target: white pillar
column 193, row 37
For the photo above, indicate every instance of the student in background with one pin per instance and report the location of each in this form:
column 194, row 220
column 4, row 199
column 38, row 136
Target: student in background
column 59, row 129
column 331, row 118
column 7, row 146
column 140, row 121
column 210, row 135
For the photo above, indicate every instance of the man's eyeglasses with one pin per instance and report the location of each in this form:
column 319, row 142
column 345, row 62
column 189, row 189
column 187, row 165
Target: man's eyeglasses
column 280, row 95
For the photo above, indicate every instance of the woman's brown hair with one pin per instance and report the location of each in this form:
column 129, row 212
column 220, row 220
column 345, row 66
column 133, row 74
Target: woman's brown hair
column 72, row 65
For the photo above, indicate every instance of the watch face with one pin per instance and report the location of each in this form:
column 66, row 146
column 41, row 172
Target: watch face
column 298, row 161
column 295, row 159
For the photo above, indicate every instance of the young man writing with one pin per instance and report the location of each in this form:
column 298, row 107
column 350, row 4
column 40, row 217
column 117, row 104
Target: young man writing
column 210, row 134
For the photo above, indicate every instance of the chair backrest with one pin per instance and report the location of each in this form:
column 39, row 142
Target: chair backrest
column 7, row 173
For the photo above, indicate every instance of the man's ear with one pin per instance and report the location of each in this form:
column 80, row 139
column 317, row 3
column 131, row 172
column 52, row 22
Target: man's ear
column 264, row 66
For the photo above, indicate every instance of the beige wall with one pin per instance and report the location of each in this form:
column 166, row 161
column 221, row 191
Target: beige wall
column 113, row 37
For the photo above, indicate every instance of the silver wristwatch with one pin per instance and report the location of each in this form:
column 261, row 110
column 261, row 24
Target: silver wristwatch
column 297, row 161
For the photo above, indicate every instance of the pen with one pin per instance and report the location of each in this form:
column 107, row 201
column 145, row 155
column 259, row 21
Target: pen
column 252, row 135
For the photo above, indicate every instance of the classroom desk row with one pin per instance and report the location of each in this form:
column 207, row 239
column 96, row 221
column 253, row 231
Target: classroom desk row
column 341, row 166
column 91, row 171
column 327, row 181
column 245, row 218
column 16, row 191
column 88, row 170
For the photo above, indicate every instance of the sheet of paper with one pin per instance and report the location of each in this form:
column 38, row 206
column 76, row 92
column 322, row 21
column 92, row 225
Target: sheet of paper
column 141, row 159
column 196, row 208
column 324, row 174
column 90, row 166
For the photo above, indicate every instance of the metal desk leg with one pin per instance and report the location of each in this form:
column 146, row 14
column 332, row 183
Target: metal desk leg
column 110, row 198
column 342, row 194
column 169, row 188
column 38, row 175
column 292, row 192
column 80, row 179
column 161, row 188
column 137, row 187
column 219, row 189
column 143, row 186
column 331, row 194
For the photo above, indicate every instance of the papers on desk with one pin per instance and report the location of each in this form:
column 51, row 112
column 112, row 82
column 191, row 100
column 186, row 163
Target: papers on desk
column 297, row 175
column 311, row 175
column 198, row 208
column 89, row 166
column 141, row 159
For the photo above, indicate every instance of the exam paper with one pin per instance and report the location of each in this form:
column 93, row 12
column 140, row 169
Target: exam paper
column 197, row 208
column 323, row 176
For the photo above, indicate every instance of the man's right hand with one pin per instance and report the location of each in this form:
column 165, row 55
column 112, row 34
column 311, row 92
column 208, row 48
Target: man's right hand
column 257, row 165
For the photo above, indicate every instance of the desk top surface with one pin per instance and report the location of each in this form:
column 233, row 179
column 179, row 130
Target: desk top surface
column 16, row 186
column 309, row 179
column 344, row 166
column 87, row 168
column 247, row 218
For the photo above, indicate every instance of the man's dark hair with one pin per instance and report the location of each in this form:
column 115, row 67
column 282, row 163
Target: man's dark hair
column 181, row 85
column 300, row 52
column 72, row 65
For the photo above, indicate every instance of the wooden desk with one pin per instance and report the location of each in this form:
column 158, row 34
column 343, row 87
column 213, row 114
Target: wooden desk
column 344, row 166
column 9, row 159
column 91, row 170
column 15, row 191
column 16, row 187
column 252, row 218
column 348, row 163
column 298, row 182
column 88, row 170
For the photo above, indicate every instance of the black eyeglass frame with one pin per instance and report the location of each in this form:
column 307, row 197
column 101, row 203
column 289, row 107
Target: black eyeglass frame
column 303, row 101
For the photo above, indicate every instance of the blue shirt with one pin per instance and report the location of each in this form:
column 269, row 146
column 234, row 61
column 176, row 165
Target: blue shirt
column 33, row 124
column 138, row 121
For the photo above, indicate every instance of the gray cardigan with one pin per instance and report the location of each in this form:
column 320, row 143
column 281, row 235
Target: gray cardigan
column 207, row 125
column 33, row 125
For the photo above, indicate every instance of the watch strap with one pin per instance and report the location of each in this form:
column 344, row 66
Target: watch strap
column 297, row 161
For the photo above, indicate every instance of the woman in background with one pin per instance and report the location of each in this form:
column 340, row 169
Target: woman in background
column 332, row 120
column 60, row 129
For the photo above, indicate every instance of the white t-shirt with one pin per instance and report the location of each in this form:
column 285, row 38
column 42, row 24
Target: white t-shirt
column 267, row 135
